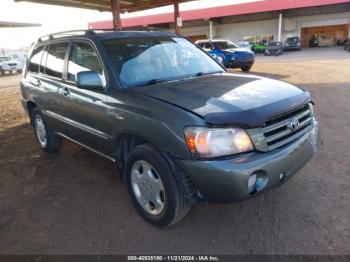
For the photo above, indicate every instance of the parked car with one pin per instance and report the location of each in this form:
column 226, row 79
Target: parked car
column 228, row 53
column 321, row 41
column 244, row 44
column 292, row 43
column 9, row 65
column 259, row 47
column 313, row 42
column 347, row 45
column 179, row 128
column 274, row 48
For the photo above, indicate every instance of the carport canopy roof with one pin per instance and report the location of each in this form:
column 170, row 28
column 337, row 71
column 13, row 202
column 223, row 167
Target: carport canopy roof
column 5, row 24
column 106, row 5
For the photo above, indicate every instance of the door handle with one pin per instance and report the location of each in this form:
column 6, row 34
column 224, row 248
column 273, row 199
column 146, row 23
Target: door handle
column 64, row 91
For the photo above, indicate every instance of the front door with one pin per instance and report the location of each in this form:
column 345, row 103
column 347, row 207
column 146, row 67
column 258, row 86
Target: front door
column 84, row 111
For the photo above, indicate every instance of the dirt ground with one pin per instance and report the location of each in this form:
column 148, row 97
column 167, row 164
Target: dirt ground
column 74, row 203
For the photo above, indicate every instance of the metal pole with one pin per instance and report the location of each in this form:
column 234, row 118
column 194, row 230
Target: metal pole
column 210, row 29
column 176, row 16
column 117, row 25
column 280, row 28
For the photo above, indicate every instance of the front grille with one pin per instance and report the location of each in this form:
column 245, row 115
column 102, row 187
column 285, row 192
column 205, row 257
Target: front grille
column 244, row 55
column 281, row 130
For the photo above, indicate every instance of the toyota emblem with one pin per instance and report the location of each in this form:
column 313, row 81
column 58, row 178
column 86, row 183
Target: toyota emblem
column 294, row 124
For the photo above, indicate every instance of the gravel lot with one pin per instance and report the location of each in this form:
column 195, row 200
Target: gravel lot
column 74, row 203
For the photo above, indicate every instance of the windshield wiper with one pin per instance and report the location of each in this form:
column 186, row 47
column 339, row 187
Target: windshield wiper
column 207, row 73
column 151, row 82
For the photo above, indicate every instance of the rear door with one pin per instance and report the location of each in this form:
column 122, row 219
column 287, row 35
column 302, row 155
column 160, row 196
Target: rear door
column 84, row 111
column 50, row 80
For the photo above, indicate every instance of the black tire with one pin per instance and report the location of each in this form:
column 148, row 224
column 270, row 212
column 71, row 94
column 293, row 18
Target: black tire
column 2, row 72
column 53, row 141
column 246, row 68
column 176, row 206
column 19, row 71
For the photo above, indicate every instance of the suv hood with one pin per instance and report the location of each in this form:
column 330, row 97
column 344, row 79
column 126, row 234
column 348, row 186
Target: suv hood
column 239, row 49
column 247, row 101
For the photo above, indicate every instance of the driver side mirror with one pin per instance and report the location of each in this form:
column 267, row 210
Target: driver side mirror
column 89, row 80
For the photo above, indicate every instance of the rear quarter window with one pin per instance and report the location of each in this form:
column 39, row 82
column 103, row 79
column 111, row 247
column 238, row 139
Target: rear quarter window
column 35, row 60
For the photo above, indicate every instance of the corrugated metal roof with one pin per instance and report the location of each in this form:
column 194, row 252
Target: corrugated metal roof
column 5, row 24
column 105, row 5
column 218, row 11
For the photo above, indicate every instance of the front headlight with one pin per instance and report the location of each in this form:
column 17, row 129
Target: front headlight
column 214, row 142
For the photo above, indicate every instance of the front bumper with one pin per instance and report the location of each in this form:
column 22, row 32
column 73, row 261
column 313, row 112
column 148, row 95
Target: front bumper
column 290, row 48
column 238, row 63
column 11, row 68
column 227, row 180
column 273, row 52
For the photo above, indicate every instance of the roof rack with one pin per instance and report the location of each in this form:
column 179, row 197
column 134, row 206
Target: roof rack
column 72, row 33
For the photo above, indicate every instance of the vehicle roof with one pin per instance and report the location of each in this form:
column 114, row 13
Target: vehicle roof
column 212, row 40
column 103, row 35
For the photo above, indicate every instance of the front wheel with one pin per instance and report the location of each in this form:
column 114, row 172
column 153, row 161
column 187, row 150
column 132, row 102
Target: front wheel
column 48, row 141
column 220, row 59
column 153, row 188
column 246, row 68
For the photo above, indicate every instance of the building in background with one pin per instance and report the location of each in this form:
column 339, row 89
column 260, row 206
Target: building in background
column 257, row 21
column 19, row 54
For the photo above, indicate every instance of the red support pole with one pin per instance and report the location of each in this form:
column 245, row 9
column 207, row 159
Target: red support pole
column 117, row 24
column 176, row 16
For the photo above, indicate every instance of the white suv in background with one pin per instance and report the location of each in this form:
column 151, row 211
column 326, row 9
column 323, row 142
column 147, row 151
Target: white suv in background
column 8, row 65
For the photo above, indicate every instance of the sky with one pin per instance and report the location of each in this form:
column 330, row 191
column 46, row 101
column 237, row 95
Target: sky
column 59, row 18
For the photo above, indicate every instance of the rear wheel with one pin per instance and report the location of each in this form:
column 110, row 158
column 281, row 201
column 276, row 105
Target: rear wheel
column 153, row 188
column 246, row 68
column 48, row 141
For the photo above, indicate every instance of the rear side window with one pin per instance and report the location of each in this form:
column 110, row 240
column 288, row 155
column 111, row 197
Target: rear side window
column 34, row 62
column 55, row 59
column 82, row 58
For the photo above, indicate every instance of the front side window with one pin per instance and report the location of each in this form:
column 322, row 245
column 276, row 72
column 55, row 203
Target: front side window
column 34, row 62
column 223, row 45
column 83, row 58
column 143, row 61
column 55, row 59
column 201, row 45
